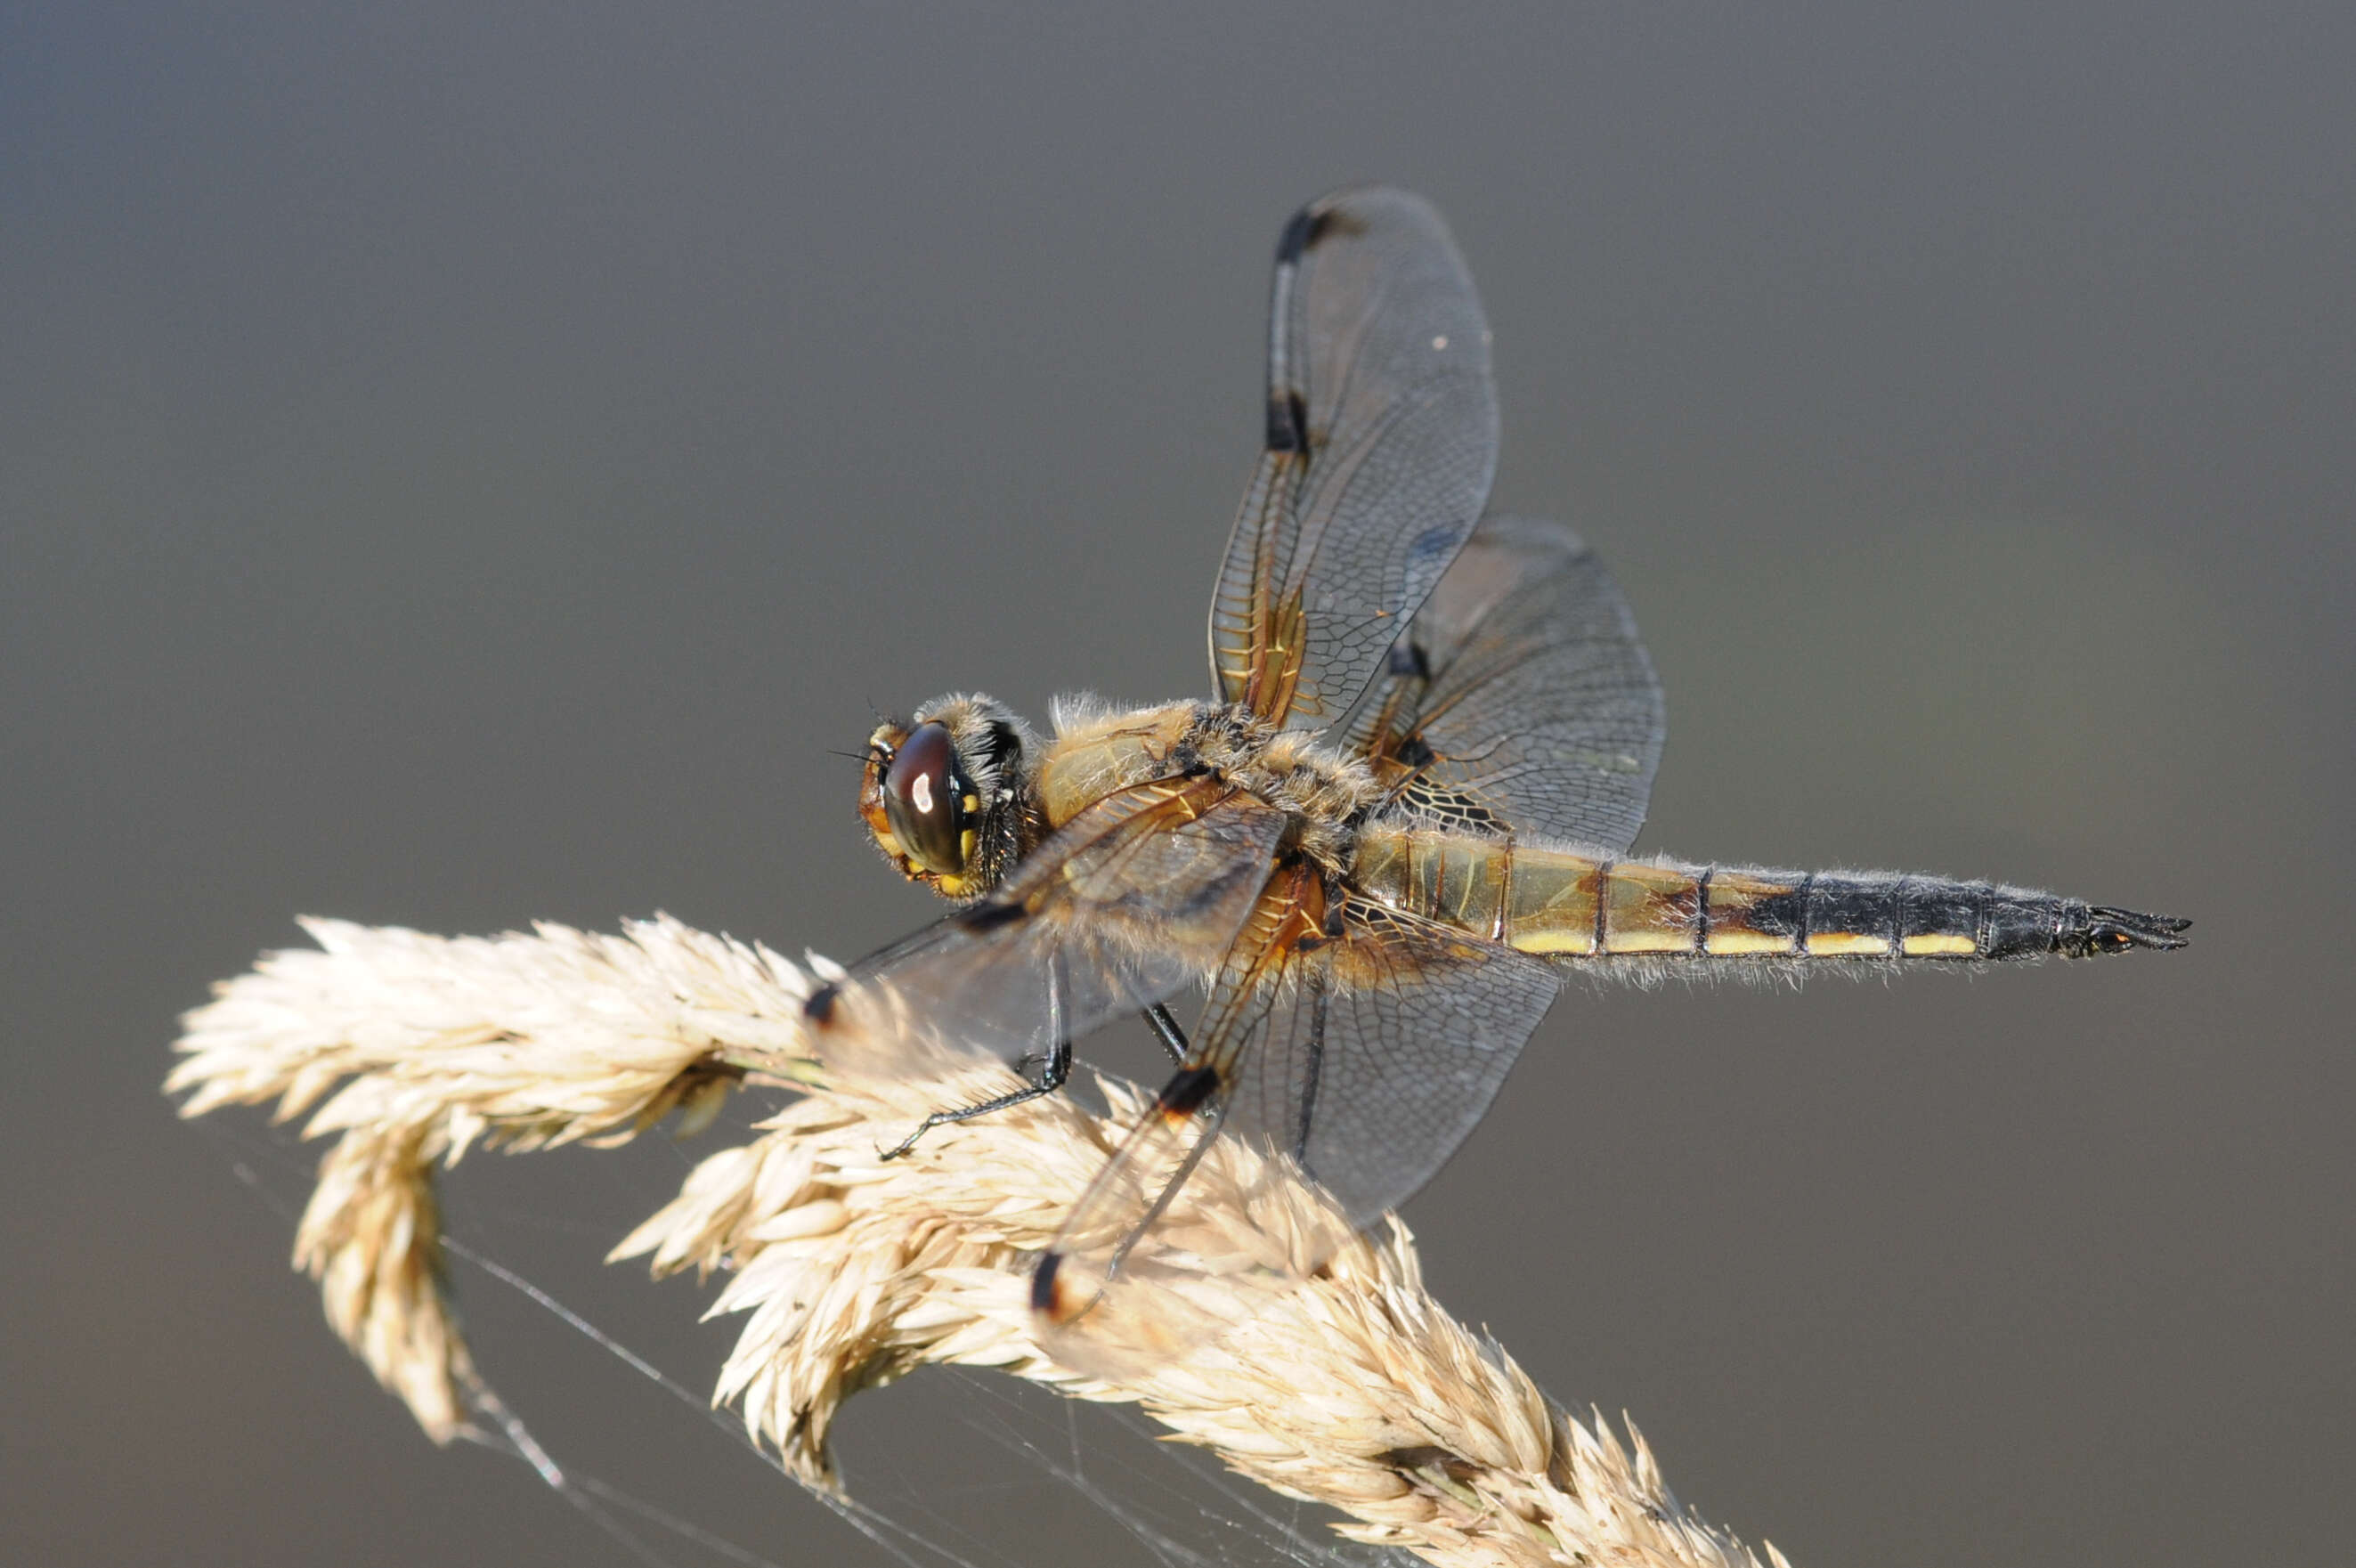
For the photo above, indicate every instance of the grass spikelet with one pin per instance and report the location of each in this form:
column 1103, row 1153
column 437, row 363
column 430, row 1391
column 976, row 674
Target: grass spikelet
column 1352, row 1389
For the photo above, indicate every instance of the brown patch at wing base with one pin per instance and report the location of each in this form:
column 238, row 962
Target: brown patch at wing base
column 1279, row 644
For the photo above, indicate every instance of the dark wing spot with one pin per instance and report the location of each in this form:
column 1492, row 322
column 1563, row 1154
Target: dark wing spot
column 1046, row 1298
column 1309, row 227
column 1186, row 1093
column 1287, row 422
column 1333, row 221
column 1300, row 232
column 988, row 917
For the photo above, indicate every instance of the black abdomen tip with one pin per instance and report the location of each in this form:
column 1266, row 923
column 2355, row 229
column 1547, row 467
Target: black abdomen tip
column 820, row 1006
column 2100, row 930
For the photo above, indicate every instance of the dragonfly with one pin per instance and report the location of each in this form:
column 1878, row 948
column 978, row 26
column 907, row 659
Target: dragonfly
column 1400, row 822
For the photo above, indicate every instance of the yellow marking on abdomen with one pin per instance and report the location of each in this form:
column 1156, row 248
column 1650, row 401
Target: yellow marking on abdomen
column 1545, row 902
column 1647, row 939
column 1562, row 940
column 1846, row 944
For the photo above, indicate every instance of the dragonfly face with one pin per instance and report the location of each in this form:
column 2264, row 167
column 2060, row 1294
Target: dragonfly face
column 1401, row 819
column 946, row 796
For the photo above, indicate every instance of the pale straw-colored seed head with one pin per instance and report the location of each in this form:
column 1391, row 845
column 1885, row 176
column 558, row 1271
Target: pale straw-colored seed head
column 1352, row 1387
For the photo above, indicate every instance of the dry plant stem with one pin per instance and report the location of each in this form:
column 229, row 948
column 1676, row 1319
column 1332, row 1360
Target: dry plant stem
column 1355, row 1389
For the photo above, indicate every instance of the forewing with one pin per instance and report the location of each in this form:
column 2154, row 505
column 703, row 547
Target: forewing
column 1153, row 1258
column 1381, row 439
column 1361, row 1060
column 1382, row 1053
column 1521, row 699
column 1136, row 897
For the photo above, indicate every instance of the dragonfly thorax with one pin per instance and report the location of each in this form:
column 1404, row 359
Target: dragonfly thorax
column 1099, row 749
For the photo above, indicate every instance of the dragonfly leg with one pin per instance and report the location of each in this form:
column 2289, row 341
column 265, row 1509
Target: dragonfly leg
column 1165, row 1029
column 1054, row 1070
column 1052, row 1074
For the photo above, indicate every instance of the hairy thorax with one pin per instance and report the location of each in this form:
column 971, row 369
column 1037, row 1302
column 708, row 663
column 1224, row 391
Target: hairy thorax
column 1098, row 750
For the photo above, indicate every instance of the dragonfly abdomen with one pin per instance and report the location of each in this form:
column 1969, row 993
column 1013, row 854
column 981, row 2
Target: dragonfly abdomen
column 1557, row 903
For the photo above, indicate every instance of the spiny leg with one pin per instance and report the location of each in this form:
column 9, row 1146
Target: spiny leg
column 1053, row 1072
column 1166, row 1030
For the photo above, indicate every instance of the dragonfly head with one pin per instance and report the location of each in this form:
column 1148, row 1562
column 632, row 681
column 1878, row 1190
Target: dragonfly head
column 947, row 795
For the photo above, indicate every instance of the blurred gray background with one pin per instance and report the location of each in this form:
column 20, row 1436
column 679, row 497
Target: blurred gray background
column 461, row 465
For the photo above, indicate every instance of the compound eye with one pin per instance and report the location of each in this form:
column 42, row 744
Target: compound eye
column 924, row 798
